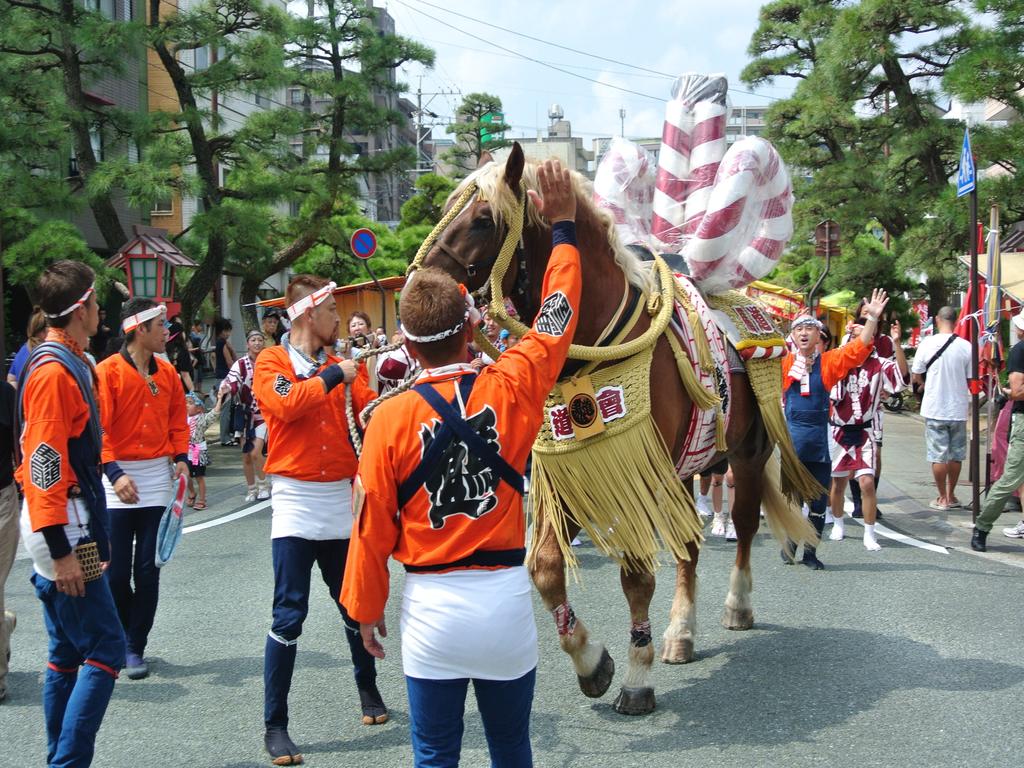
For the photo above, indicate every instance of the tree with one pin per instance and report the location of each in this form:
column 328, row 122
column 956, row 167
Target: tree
column 862, row 123
column 427, row 205
column 477, row 129
column 53, row 51
column 345, row 67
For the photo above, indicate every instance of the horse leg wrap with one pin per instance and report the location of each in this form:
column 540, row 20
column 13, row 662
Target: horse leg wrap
column 565, row 619
column 640, row 634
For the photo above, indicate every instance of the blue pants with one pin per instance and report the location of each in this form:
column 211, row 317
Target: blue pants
column 436, row 720
column 132, row 554
column 86, row 651
column 293, row 563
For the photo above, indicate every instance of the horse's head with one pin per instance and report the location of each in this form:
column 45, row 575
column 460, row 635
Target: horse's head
column 468, row 247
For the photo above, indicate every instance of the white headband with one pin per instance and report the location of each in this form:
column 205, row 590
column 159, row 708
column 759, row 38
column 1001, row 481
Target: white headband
column 76, row 305
column 807, row 320
column 315, row 299
column 472, row 314
column 132, row 322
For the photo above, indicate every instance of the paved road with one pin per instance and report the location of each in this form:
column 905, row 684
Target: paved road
column 904, row 657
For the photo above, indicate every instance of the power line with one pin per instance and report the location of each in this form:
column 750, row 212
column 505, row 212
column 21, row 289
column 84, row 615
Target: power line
column 535, row 39
column 528, row 58
column 563, row 47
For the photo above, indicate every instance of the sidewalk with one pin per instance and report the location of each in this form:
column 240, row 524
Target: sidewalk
column 907, row 488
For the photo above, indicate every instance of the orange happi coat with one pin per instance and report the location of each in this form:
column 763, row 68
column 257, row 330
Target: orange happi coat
column 439, row 524
column 307, row 429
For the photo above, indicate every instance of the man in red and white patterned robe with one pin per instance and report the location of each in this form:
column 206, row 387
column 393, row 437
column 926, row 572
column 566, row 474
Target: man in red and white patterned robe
column 856, row 402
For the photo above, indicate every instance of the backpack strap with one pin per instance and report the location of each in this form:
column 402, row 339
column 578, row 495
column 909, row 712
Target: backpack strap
column 453, row 426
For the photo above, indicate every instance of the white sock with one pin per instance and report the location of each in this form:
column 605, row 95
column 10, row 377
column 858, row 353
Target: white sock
column 828, row 516
column 838, row 529
column 870, row 542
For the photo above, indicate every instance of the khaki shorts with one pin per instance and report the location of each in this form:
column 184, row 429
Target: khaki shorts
column 945, row 441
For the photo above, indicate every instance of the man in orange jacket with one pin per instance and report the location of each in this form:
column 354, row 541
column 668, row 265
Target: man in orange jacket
column 145, row 424
column 64, row 516
column 808, row 375
column 300, row 387
column 440, row 488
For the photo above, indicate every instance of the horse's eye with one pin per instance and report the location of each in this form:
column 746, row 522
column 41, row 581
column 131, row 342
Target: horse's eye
column 483, row 223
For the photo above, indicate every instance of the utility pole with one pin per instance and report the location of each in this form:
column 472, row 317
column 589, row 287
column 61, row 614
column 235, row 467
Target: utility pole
column 423, row 129
column 622, row 122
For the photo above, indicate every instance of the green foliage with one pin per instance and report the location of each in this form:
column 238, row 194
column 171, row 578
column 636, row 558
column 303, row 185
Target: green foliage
column 32, row 245
column 473, row 134
column 427, row 205
column 864, row 128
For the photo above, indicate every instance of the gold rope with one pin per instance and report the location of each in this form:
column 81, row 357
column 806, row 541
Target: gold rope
column 448, row 218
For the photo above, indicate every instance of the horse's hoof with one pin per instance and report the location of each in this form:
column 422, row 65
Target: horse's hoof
column 634, row 701
column 738, row 618
column 678, row 651
column 596, row 684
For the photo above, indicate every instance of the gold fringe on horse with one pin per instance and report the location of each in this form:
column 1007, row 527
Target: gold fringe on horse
column 620, row 486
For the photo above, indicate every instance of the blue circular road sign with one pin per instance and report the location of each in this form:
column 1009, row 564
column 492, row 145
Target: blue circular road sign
column 364, row 243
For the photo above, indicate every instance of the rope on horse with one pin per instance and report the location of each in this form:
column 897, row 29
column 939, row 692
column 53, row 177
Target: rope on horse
column 658, row 305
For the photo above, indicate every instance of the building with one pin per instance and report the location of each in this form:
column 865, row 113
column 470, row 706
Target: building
column 745, row 121
column 559, row 143
column 127, row 91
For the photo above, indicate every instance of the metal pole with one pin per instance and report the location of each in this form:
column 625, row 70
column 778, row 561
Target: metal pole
column 975, row 406
column 993, row 415
column 824, row 272
column 383, row 297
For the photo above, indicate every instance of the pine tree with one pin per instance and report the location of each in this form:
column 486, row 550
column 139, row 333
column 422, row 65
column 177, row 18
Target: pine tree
column 477, row 130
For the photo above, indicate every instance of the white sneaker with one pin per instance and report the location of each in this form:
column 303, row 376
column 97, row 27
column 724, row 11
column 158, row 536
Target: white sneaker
column 828, row 516
column 1017, row 532
column 263, row 490
column 704, row 505
column 718, row 526
column 730, row 532
column 870, row 542
column 250, row 494
column 838, row 529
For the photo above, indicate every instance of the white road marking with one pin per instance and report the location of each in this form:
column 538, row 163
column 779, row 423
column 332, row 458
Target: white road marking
column 888, row 533
column 227, row 518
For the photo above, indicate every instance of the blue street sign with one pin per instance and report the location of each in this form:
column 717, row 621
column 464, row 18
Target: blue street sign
column 965, row 178
column 363, row 243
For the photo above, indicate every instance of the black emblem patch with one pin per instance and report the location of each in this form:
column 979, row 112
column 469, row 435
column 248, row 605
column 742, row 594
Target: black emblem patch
column 282, row 386
column 461, row 483
column 44, row 467
column 555, row 314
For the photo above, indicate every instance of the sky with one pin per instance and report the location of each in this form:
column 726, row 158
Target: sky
column 669, row 38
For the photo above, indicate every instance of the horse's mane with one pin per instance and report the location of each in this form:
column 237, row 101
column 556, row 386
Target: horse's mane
column 492, row 188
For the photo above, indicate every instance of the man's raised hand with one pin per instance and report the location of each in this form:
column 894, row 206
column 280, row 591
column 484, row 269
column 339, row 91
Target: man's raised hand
column 557, row 198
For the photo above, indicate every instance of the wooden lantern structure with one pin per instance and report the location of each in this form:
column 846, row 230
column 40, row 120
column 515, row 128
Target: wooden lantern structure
column 149, row 261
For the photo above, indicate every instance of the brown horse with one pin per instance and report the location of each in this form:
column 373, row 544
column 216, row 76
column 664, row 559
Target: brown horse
column 467, row 249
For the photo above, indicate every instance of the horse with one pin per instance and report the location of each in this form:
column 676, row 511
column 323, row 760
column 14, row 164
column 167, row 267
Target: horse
column 466, row 245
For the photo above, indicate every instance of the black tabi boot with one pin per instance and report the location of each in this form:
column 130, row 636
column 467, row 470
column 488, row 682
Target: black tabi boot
column 978, row 540
column 374, row 711
column 280, row 747
column 810, row 558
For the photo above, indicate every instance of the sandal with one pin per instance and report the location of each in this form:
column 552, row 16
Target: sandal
column 191, row 501
column 199, row 505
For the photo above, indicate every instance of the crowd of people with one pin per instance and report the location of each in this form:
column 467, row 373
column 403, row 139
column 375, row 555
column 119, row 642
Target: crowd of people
column 100, row 438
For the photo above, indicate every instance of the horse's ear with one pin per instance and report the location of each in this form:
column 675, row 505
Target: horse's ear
column 485, row 158
column 514, row 166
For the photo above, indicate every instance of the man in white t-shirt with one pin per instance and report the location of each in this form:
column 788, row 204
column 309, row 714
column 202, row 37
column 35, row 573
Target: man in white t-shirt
column 946, row 361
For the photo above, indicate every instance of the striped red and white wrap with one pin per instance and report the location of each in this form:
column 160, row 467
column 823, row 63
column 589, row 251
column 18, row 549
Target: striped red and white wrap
column 699, row 446
column 624, row 186
column 692, row 146
column 748, row 221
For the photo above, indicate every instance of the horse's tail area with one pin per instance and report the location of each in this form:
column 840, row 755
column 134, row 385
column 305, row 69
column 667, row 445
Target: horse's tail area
column 765, row 378
column 784, row 518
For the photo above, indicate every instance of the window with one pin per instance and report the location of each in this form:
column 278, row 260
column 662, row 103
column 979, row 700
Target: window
column 168, row 282
column 163, row 207
column 144, row 277
column 294, row 96
column 107, row 7
column 202, row 57
column 96, row 141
